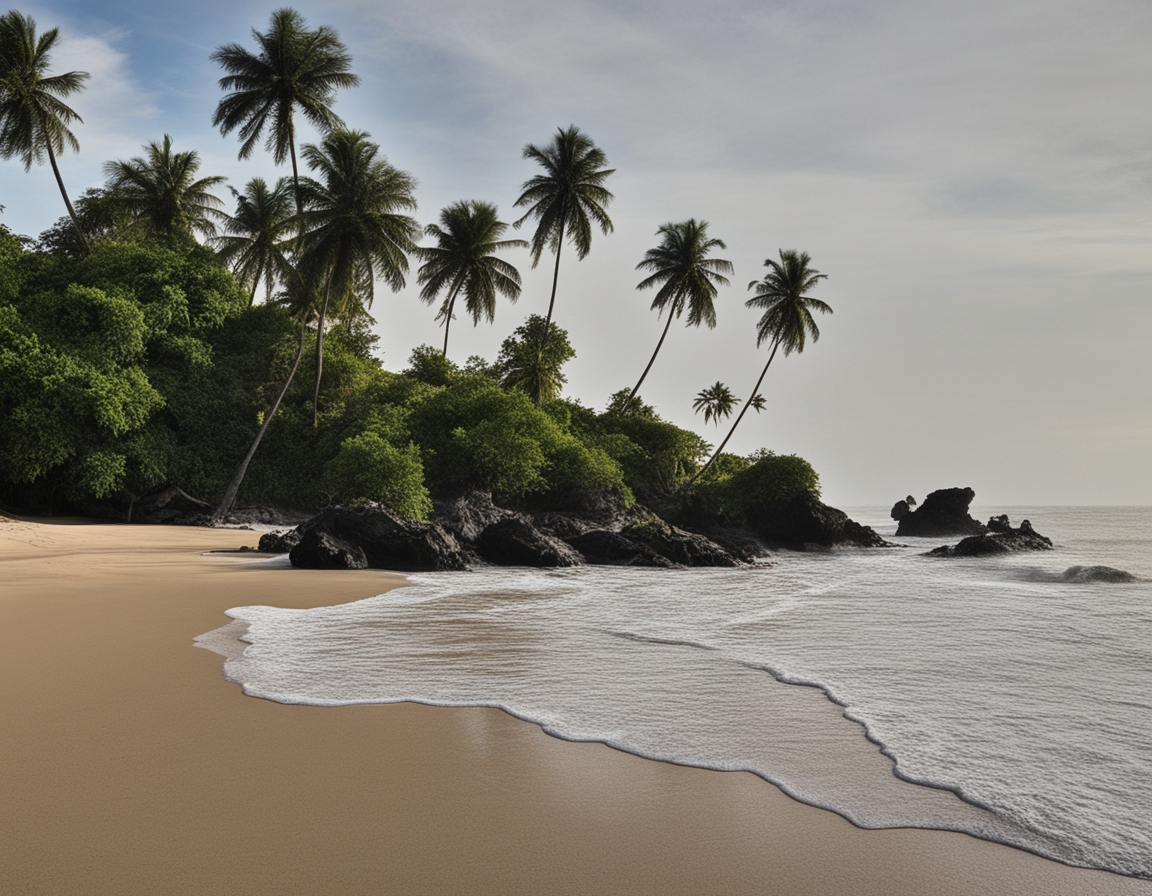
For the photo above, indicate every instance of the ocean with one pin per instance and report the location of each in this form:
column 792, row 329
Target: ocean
column 984, row 695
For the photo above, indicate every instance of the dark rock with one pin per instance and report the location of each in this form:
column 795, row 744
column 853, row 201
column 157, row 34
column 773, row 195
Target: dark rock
column 900, row 510
column 469, row 514
column 605, row 547
column 516, row 542
column 170, row 505
column 278, row 542
column 388, row 540
column 1002, row 540
column 944, row 512
column 1096, row 574
column 743, row 547
column 804, row 520
column 319, row 550
column 679, row 546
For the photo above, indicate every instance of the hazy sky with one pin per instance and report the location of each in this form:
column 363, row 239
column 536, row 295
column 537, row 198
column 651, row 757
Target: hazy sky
column 975, row 178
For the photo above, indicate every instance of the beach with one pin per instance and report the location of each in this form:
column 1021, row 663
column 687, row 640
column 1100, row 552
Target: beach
column 128, row 765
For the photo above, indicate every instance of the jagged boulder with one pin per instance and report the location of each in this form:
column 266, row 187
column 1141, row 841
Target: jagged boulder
column 468, row 514
column 320, row 550
column 900, row 510
column 1002, row 539
column 681, row 547
column 388, row 540
column 944, row 512
column 804, row 520
column 516, row 542
column 604, row 547
column 1081, row 574
column 278, row 542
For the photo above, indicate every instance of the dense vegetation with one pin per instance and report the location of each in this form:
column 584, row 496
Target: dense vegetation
column 133, row 356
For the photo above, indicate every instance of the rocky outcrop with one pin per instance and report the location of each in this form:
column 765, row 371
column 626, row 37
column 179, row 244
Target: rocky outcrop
column 900, row 510
column 1080, row 574
column 604, row 547
column 679, row 546
column 278, row 542
column 388, row 540
column 1000, row 538
column 516, row 542
column 469, row 514
column 320, row 550
column 804, row 521
column 944, row 512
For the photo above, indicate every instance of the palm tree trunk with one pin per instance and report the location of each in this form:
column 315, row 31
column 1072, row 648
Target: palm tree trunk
column 320, row 347
column 234, row 486
column 255, row 284
column 67, row 201
column 555, row 278
column 650, row 363
column 740, row 417
column 449, row 305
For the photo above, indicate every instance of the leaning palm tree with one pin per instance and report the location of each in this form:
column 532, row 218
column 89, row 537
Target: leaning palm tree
column 787, row 321
column 355, row 229
column 463, row 262
column 717, row 402
column 566, row 199
column 34, row 119
column 161, row 191
column 689, row 279
column 255, row 238
column 294, row 68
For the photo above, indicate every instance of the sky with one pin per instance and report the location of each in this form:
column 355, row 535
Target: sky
column 974, row 178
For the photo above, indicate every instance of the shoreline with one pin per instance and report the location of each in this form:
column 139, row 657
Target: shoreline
column 132, row 766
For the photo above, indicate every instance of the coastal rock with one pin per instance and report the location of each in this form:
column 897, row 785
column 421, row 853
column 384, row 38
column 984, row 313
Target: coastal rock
column 388, row 540
column 278, row 542
column 468, row 515
column 1081, row 574
column 681, row 547
column 1003, row 539
column 804, row 520
column 944, row 512
column 900, row 510
column 604, row 547
column 516, row 542
column 319, row 550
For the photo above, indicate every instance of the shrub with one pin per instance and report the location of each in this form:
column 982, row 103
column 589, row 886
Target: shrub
column 367, row 468
column 770, row 477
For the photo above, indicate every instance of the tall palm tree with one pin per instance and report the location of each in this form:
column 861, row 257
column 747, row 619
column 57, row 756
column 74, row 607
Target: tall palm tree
column 355, row 227
column 34, row 119
column 566, row 199
column 160, row 190
column 255, row 237
column 717, row 402
column 293, row 68
column 463, row 262
column 787, row 321
column 688, row 275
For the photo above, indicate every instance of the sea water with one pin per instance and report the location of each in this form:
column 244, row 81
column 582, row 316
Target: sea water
column 983, row 695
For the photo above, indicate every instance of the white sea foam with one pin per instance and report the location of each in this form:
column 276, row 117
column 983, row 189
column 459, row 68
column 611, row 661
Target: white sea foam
column 1024, row 702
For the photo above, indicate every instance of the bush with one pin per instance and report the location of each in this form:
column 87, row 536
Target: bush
column 367, row 468
column 770, row 477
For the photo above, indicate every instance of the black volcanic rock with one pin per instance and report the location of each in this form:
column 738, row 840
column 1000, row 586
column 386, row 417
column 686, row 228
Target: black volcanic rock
column 516, row 542
column 681, row 547
column 804, row 520
column 388, row 540
column 944, row 512
column 469, row 514
column 319, row 550
column 278, row 542
column 1096, row 574
column 603, row 547
column 1003, row 539
column 900, row 510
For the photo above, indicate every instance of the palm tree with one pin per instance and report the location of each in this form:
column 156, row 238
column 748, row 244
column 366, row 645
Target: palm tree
column 254, row 240
column 160, row 191
column 787, row 321
column 688, row 275
column 354, row 226
column 463, row 262
column 293, row 68
column 34, row 119
column 566, row 199
column 717, row 402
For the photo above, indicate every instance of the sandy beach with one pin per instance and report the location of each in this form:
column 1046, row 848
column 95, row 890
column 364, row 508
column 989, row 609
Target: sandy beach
column 128, row 765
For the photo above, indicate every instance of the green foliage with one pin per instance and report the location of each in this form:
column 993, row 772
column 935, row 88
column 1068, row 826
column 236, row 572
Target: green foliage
column 655, row 455
column 368, row 468
column 429, row 365
column 529, row 364
column 618, row 404
column 764, row 476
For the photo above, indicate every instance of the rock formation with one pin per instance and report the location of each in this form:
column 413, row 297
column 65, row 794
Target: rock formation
column 944, row 512
column 1001, row 539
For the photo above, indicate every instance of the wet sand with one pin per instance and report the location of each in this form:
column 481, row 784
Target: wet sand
column 129, row 766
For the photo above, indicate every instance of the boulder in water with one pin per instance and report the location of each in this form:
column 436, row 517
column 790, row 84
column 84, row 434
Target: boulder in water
column 319, row 550
column 1003, row 539
column 516, row 542
column 1080, row 574
column 944, row 512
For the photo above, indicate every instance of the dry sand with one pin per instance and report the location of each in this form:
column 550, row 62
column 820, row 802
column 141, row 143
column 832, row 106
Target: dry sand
column 129, row 766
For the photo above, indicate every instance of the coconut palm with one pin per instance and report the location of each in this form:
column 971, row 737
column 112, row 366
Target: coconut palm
column 161, row 192
column 787, row 321
column 355, row 229
column 463, row 262
column 255, row 237
column 688, row 275
column 34, row 119
column 294, row 68
column 566, row 199
column 717, row 402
